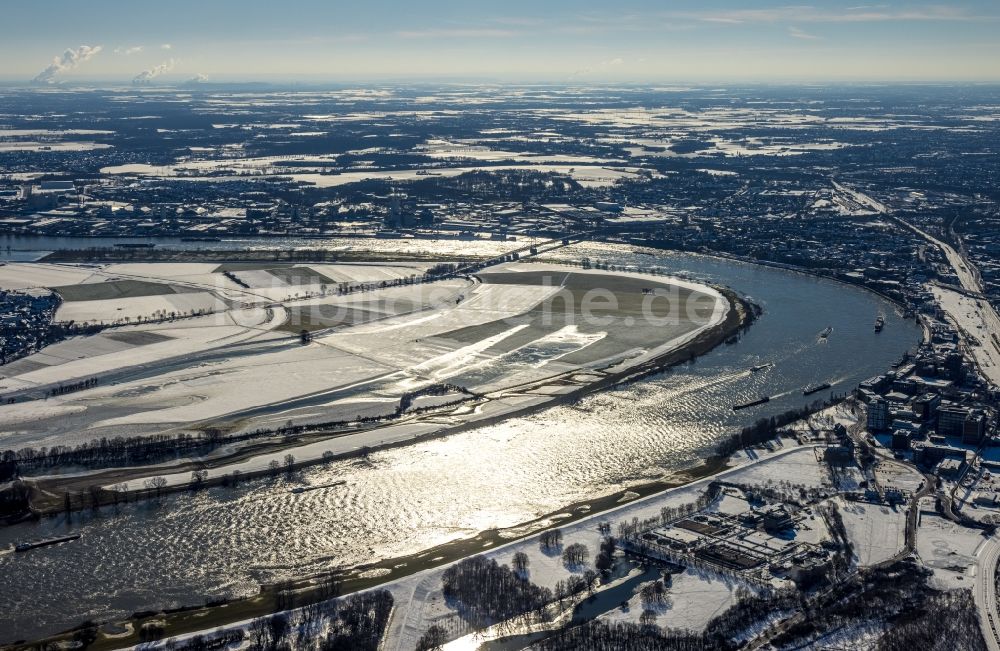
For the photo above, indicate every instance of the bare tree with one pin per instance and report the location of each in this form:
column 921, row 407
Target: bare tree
column 260, row 634
column 198, row 478
column 520, row 563
column 550, row 540
column 433, row 639
column 575, row 555
column 157, row 483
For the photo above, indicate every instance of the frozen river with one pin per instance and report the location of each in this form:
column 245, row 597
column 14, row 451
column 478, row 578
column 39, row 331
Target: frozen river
column 226, row 541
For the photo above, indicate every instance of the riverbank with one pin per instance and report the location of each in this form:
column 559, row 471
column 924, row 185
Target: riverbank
column 670, row 421
column 317, row 587
column 773, row 265
column 53, row 494
column 278, row 257
column 739, row 315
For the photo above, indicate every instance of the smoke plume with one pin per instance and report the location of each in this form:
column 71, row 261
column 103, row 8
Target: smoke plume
column 146, row 75
column 70, row 59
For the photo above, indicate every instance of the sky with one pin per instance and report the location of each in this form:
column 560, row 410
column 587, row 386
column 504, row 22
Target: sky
column 550, row 41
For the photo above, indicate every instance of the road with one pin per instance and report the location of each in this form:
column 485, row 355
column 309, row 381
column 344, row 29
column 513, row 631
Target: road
column 986, row 351
column 910, row 544
column 972, row 311
column 978, row 324
column 984, row 592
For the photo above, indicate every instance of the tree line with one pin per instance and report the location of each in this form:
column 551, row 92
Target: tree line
column 156, row 448
column 487, row 593
column 598, row 635
column 439, row 389
column 765, row 429
column 119, row 451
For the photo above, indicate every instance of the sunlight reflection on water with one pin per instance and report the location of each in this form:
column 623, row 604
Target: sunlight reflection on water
column 400, row 501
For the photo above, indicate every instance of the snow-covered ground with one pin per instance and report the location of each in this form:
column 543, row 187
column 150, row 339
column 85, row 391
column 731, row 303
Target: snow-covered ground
column 978, row 322
column 132, row 309
column 948, row 549
column 877, row 532
column 25, row 275
column 244, row 363
column 695, row 598
column 800, row 470
column 890, row 474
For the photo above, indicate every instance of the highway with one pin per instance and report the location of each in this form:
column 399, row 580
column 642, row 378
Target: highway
column 986, row 352
column 984, row 592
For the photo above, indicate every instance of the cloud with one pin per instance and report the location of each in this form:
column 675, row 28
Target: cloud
column 70, row 59
column 166, row 46
column 460, row 32
column 795, row 32
column 810, row 14
column 197, row 79
column 129, row 51
column 146, row 75
column 603, row 66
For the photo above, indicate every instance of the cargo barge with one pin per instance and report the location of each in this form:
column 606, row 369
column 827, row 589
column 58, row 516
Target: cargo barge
column 747, row 405
column 27, row 546
column 298, row 490
column 808, row 391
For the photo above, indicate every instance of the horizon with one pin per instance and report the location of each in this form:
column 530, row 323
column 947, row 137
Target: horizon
column 642, row 42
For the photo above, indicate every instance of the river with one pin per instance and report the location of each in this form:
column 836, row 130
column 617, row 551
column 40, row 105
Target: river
column 27, row 248
column 225, row 541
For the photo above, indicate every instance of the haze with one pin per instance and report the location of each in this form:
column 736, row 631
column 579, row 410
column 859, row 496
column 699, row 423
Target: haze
column 561, row 41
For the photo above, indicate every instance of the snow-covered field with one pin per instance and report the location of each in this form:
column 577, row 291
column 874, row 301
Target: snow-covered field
column 695, row 598
column 876, row 531
column 133, row 309
column 978, row 322
column 949, row 549
column 588, row 175
column 899, row 476
column 24, row 275
column 243, row 364
column 799, row 470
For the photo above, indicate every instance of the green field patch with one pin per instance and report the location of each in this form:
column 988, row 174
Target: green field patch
column 319, row 317
column 137, row 337
column 118, row 289
column 259, row 265
column 300, row 276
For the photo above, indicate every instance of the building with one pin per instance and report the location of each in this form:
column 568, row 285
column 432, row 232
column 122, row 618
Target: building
column 56, row 186
column 926, row 406
column 951, row 421
column 878, row 415
column 900, row 440
column 974, row 428
column 776, row 518
column 951, row 468
column 876, row 384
